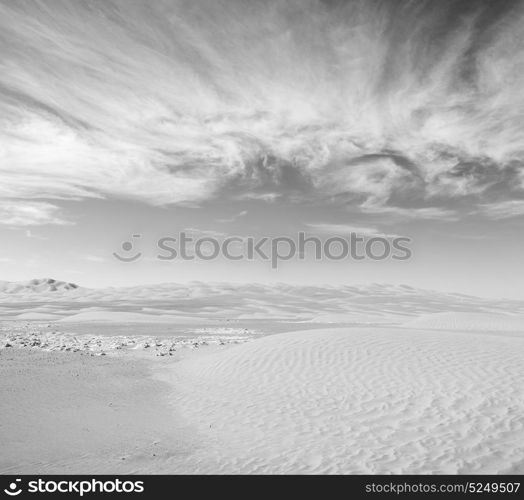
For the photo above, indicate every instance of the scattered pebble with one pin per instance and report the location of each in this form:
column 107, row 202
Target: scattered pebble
column 39, row 336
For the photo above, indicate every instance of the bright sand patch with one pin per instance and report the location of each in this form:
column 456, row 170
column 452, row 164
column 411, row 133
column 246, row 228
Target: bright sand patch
column 473, row 321
column 101, row 316
column 357, row 401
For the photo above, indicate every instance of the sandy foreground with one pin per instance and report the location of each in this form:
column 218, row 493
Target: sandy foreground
column 71, row 413
column 338, row 400
column 92, row 403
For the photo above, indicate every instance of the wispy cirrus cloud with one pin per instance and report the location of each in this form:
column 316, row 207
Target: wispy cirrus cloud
column 329, row 228
column 380, row 105
column 435, row 213
column 346, row 229
column 235, row 217
column 503, row 209
column 29, row 213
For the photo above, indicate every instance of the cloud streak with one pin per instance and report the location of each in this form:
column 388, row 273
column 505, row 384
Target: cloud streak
column 341, row 228
column 384, row 106
column 29, row 213
column 504, row 209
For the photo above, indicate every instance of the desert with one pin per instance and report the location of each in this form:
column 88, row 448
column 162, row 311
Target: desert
column 429, row 392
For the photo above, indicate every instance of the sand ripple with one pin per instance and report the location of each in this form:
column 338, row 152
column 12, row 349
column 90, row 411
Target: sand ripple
column 357, row 401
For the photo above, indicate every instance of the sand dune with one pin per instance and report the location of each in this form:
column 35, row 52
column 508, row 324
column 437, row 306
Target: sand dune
column 429, row 393
column 357, row 401
column 37, row 316
column 478, row 322
column 339, row 400
column 36, row 286
column 358, row 304
column 104, row 316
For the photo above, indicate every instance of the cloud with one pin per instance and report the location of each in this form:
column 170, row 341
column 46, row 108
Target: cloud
column 413, row 212
column 194, row 232
column 28, row 213
column 346, row 229
column 30, row 234
column 235, row 217
column 378, row 104
column 341, row 228
column 503, row 210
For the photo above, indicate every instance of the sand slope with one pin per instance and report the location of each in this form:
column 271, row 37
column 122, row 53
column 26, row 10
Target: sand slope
column 462, row 321
column 357, row 401
column 103, row 316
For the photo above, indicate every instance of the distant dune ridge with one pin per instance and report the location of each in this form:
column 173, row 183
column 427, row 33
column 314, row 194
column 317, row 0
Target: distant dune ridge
column 36, row 286
column 357, row 304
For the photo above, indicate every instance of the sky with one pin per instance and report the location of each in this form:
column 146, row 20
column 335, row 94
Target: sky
column 258, row 118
